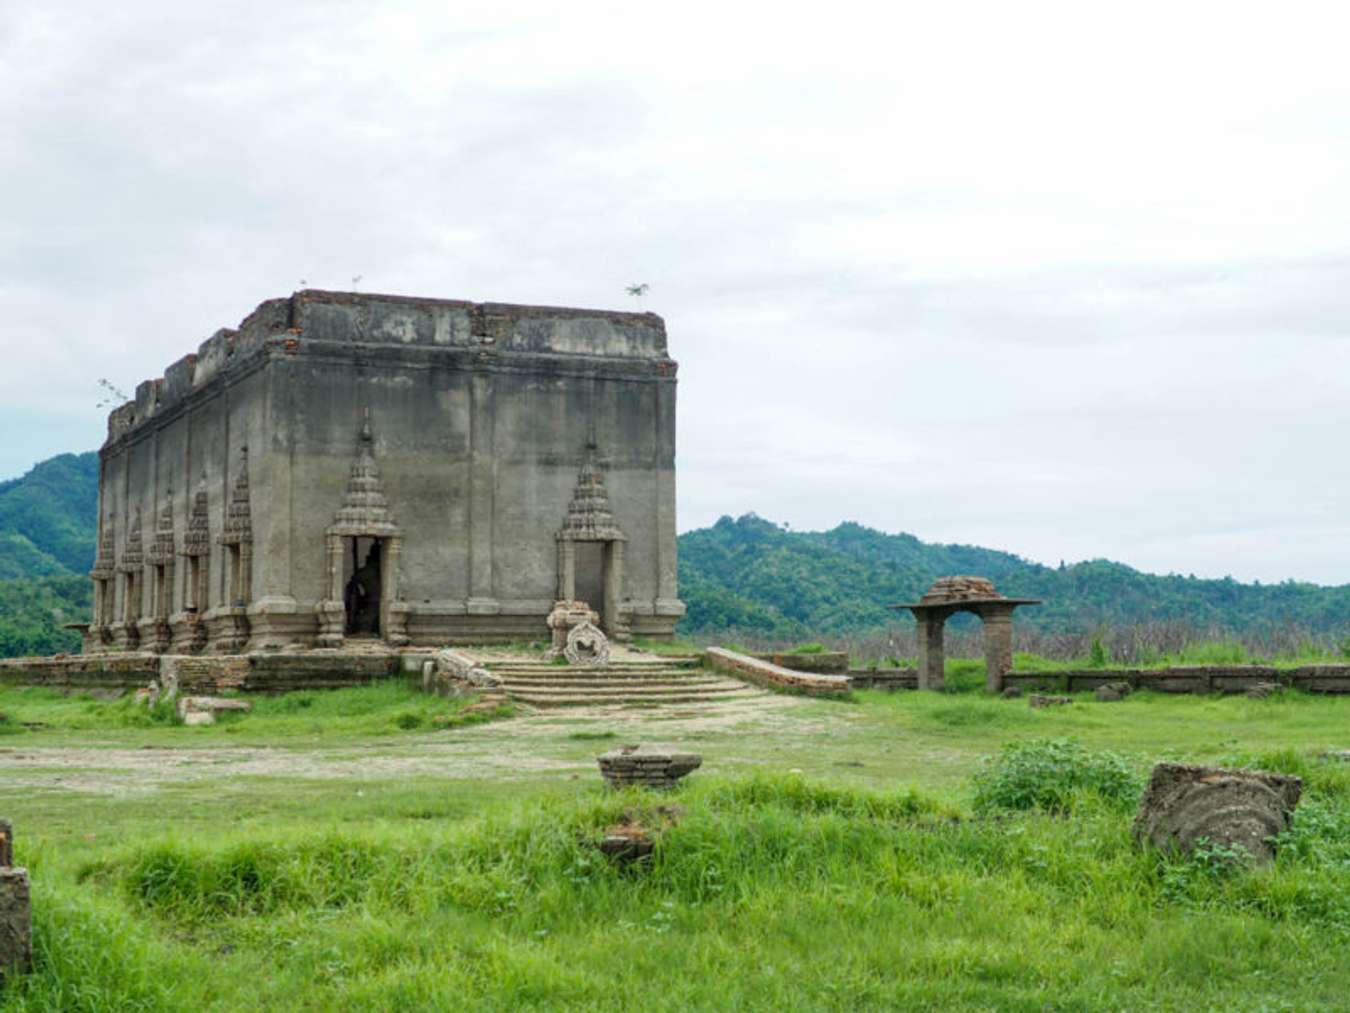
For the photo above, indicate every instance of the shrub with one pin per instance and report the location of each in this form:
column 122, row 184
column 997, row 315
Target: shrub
column 1053, row 775
column 1097, row 658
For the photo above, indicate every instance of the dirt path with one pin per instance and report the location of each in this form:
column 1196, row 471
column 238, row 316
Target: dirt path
column 505, row 750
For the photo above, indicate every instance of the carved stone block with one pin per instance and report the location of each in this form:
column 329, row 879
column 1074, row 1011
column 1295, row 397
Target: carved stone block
column 1185, row 803
column 586, row 645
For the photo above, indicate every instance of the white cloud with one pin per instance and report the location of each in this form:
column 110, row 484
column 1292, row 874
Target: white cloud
column 1059, row 278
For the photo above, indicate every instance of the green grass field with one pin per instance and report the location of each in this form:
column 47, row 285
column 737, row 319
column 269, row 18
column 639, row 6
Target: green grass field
column 364, row 850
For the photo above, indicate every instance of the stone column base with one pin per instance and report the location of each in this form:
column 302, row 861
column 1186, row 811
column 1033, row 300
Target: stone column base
column 189, row 633
column 226, row 629
column 155, row 635
column 124, row 636
column 332, row 623
column 396, row 633
column 280, row 622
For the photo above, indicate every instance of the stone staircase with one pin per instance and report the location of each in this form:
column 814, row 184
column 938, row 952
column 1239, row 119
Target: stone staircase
column 622, row 682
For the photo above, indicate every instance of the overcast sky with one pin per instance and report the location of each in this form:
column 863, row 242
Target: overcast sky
column 1067, row 280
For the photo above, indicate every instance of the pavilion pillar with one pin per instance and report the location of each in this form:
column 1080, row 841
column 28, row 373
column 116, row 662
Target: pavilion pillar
column 930, row 623
column 998, row 654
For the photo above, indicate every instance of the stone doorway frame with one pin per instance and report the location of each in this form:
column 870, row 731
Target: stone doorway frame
column 364, row 514
column 589, row 519
column 611, row 568
column 995, row 613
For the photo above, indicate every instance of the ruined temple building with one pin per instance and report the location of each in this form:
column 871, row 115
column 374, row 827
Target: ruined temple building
column 347, row 468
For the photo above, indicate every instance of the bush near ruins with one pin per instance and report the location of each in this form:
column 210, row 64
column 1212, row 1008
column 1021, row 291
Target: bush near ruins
column 1054, row 775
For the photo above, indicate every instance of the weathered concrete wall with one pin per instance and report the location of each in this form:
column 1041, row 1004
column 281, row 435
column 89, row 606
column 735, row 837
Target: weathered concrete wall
column 481, row 415
column 771, row 676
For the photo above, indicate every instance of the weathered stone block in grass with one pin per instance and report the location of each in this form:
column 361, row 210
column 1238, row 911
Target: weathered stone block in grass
column 1185, row 803
column 1110, row 692
column 628, row 765
column 202, row 710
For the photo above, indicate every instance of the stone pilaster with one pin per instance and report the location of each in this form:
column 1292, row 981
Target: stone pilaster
column 482, row 496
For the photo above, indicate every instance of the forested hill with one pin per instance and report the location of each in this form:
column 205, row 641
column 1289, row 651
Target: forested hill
column 49, row 518
column 750, row 575
column 48, row 525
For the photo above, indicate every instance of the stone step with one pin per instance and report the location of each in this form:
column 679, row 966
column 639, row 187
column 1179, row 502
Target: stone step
column 623, row 666
column 542, row 698
column 612, row 680
column 624, row 686
column 639, row 689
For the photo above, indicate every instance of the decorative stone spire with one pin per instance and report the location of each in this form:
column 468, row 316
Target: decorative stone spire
column 198, row 540
column 365, row 508
column 238, row 518
column 588, row 515
column 133, row 556
column 161, row 550
column 107, row 551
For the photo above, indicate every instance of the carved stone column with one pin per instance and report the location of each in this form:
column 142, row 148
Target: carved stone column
column 393, row 611
column 332, row 612
column 615, row 623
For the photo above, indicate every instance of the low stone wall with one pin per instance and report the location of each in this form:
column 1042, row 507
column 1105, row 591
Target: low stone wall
column 771, row 676
column 82, row 671
column 884, row 678
column 1191, row 678
column 207, row 674
column 824, row 662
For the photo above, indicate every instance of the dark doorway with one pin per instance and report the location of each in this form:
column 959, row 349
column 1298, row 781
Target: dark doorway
column 590, row 575
column 363, row 585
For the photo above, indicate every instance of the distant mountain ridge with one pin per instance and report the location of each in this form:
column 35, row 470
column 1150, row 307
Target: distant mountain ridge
column 745, row 575
column 750, row 575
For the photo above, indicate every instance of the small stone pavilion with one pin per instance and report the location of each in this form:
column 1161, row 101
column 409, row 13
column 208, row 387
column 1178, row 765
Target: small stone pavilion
column 346, row 468
column 950, row 595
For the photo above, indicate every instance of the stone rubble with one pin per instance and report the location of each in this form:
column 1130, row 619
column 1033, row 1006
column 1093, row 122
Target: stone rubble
column 959, row 588
column 454, row 673
column 633, row 837
column 575, row 628
column 1044, row 700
